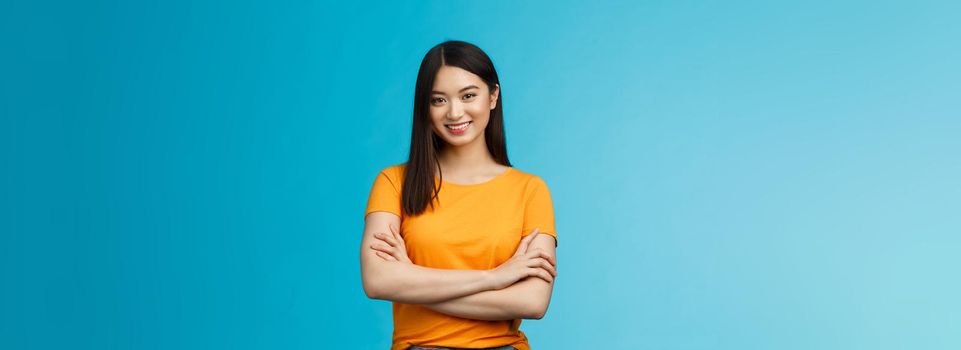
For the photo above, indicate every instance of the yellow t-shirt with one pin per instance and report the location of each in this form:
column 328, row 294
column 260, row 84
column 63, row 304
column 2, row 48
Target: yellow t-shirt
column 477, row 227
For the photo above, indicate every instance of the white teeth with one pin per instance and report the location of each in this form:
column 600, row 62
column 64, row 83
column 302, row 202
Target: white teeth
column 459, row 127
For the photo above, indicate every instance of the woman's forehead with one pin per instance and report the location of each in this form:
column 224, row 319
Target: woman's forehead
column 451, row 79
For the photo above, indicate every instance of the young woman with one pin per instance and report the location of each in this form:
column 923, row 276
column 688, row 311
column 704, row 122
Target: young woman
column 460, row 241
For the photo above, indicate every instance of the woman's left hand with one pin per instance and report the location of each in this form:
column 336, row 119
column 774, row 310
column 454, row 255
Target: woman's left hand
column 391, row 246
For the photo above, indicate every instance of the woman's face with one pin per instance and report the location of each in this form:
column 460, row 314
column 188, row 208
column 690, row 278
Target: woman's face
column 460, row 105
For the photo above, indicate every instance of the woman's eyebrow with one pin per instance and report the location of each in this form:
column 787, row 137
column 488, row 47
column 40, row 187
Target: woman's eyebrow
column 461, row 90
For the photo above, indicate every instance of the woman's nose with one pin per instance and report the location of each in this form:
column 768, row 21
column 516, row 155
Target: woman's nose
column 456, row 111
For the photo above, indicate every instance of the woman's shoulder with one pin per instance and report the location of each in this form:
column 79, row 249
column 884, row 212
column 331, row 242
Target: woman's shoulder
column 528, row 178
column 394, row 172
column 395, row 168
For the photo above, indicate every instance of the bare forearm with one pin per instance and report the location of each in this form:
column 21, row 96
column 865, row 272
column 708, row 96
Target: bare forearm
column 526, row 299
column 412, row 284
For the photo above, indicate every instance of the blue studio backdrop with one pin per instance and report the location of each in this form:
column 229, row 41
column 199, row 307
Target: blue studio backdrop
column 725, row 174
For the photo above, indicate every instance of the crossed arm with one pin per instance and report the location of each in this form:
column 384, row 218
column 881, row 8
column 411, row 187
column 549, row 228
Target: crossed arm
column 519, row 288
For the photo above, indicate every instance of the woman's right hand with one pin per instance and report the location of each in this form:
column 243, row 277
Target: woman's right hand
column 525, row 263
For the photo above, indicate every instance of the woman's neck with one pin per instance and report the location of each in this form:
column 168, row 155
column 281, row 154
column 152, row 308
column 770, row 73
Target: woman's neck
column 470, row 158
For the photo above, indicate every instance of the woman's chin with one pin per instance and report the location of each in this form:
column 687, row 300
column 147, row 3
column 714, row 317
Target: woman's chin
column 461, row 140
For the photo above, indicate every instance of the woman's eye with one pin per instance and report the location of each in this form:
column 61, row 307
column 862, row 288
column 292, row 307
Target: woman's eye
column 437, row 100
column 469, row 96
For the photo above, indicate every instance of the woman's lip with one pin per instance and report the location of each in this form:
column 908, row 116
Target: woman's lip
column 458, row 123
column 459, row 131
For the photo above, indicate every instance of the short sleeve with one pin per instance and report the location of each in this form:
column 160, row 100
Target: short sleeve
column 385, row 193
column 539, row 210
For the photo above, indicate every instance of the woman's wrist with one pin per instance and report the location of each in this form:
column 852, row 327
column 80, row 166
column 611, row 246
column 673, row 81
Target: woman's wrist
column 489, row 279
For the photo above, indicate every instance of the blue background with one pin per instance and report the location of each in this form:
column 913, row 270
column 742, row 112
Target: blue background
column 725, row 174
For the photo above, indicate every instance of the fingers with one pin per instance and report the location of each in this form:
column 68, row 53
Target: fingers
column 394, row 252
column 398, row 238
column 544, row 264
column 389, row 239
column 530, row 237
column 526, row 242
column 387, row 257
column 396, row 233
column 542, row 274
column 382, row 248
column 539, row 253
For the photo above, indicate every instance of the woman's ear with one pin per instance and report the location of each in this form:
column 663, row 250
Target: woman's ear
column 494, row 95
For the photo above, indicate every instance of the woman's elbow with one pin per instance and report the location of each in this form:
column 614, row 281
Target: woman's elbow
column 376, row 281
column 536, row 315
column 537, row 309
column 374, row 287
column 371, row 291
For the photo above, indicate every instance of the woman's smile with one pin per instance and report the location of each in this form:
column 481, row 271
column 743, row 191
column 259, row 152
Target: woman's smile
column 458, row 129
